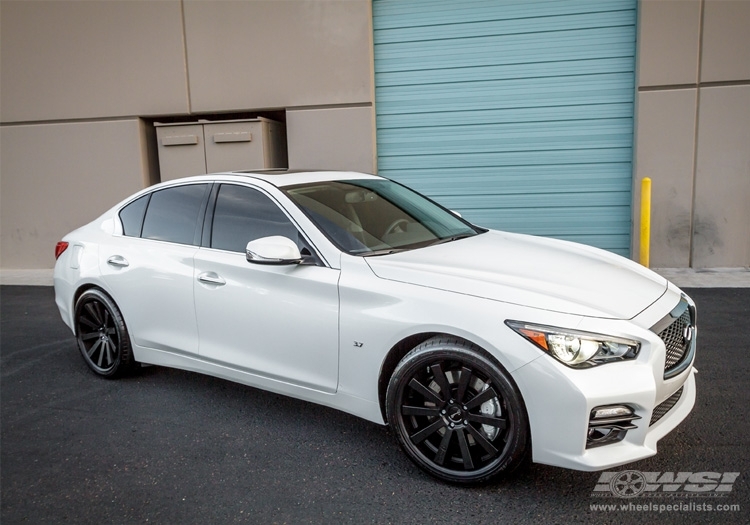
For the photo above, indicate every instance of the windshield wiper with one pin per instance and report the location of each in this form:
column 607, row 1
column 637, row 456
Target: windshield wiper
column 386, row 251
column 452, row 238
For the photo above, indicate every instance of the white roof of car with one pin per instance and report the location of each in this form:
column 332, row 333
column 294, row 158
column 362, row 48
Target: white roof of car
column 291, row 177
column 278, row 178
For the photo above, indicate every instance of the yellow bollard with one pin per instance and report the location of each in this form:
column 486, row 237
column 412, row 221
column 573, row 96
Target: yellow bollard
column 645, row 221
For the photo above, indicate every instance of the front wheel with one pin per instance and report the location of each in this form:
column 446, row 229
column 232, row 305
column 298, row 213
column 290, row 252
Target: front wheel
column 102, row 335
column 456, row 413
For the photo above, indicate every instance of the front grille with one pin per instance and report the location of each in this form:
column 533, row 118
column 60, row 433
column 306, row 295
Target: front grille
column 661, row 410
column 675, row 341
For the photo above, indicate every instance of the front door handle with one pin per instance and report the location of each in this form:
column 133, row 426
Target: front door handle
column 211, row 278
column 118, row 260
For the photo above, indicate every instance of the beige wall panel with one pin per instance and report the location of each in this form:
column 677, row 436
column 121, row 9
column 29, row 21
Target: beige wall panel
column 726, row 40
column 722, row 191
column 57, row 177
column 276, row 54
column 664, row 152
column 337, row 139
column 70, row 59
column 668, row 42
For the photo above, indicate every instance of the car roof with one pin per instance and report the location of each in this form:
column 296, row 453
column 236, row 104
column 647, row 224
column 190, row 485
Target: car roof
column 281, row 178
column 277, row 177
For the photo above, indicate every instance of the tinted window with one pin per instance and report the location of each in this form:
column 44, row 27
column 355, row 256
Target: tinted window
column 131, row 216
column 377, row 216
column 172, row 214
column 243, row 214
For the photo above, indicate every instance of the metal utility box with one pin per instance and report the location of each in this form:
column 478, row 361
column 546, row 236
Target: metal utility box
column 206, row 147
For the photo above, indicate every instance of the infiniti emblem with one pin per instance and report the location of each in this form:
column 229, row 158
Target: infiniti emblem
column 688, row 333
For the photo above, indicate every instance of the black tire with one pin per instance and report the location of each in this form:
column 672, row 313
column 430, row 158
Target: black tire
column 457, row 413
column 102, row 336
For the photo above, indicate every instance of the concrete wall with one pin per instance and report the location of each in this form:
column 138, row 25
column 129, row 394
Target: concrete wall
column 76, row 60
column 278, row 54
column 82, row 83
column 57, row 177
column 693, row 131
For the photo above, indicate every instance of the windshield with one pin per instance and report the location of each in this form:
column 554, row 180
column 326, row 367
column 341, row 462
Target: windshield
column 377, row 216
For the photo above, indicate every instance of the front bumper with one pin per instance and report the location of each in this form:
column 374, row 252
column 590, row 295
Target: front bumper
column 561, row 441
column 559, row 400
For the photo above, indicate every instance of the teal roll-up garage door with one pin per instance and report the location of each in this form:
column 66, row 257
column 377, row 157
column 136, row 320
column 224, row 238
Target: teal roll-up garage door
column 518, row 114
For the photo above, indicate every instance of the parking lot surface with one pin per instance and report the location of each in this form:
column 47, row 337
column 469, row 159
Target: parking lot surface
column 167, row 446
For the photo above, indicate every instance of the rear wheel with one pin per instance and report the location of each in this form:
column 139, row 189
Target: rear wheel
column 456, row 413
column 102, row 335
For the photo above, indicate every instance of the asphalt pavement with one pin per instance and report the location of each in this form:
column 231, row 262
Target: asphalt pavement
column 167, row 446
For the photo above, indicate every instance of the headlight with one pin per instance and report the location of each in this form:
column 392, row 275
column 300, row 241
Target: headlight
column 577, row 349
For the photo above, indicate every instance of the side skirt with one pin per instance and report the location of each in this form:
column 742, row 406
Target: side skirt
column 369, row 410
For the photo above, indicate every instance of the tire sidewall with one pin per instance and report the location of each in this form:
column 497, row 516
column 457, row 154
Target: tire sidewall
column 124, row 360
column 434, row 351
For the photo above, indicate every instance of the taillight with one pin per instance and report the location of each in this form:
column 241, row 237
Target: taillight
column 60, row 247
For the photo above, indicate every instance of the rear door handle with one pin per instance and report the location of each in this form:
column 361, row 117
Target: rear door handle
column 211, row 278
column 118, row 260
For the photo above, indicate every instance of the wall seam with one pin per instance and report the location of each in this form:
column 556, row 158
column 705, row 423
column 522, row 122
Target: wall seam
column 69, row 121
column 691, row 258
column 330, row 106
column 185, row 58
column 373, row 118
column 675, row 87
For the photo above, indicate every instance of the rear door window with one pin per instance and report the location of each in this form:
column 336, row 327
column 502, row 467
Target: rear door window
column 131, row 216
column 174, row 214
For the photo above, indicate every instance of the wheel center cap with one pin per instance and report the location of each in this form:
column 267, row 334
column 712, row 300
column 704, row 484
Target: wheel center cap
column 455, row 415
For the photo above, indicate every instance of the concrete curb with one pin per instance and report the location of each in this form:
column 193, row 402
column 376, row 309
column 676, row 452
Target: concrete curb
column 707, row 277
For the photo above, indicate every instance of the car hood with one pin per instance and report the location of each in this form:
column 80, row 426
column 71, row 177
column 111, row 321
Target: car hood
column 532, row 271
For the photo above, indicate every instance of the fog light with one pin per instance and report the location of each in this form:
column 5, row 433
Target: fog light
column 609, row 424
column 604, row 412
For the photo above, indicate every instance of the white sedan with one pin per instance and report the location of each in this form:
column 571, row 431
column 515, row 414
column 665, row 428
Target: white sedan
column 477, row 347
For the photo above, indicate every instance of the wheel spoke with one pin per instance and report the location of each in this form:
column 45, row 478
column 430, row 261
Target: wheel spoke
column 487, row 420
column 465, row 453
column 481, row 398
column 89, row 323
column 101, row 354
column 479, row 438
column 427, row 432
column 106, row 317
column 420, row 411
column 110, row 352
column 441, row 380
column 93, row 348
column 92, row 309
column 89, row 336
column 426, row 392
column 110, row 331
column 444, row 443
column 463, row 384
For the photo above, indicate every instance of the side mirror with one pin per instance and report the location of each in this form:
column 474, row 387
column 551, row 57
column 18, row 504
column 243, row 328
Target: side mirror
column 273, row 250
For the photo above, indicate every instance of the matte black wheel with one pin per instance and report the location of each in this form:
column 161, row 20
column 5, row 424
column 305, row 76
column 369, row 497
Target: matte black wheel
column 456, row 413
column 102, row 335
